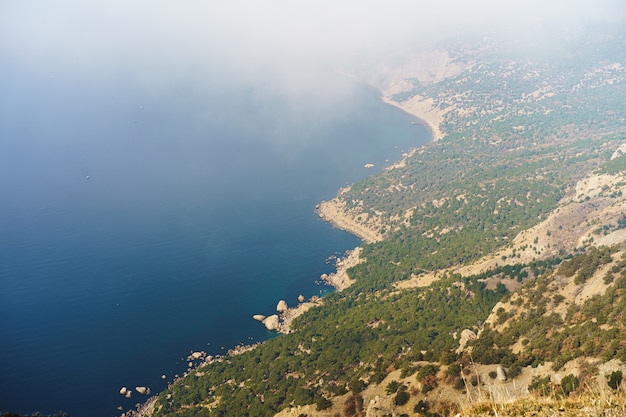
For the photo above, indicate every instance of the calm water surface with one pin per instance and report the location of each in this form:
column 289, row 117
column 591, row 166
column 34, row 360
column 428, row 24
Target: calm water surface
column 136, row 226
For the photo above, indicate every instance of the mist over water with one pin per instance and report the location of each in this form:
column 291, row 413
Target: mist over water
column 138, row 224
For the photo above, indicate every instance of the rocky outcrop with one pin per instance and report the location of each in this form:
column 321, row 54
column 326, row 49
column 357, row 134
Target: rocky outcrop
column 501, row 374
column 271, row 322
column 466, row 336
column 619, row 152
column 259, row 317
column 196, row 355
column 379, row 407
column 282, row 306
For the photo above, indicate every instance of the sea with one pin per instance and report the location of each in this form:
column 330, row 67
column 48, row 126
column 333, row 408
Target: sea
column 139, row 224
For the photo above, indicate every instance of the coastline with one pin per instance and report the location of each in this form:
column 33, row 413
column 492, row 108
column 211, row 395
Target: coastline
column 333, row 212
column 340, row 280
column 423, row 110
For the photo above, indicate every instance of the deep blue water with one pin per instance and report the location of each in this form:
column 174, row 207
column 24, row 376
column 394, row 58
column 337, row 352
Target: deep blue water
column 138, row 225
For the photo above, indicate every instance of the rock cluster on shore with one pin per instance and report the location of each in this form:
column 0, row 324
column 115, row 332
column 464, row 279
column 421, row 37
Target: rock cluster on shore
column 126, row 392
column 271, row 322
column 281, row 322
column 282, row 306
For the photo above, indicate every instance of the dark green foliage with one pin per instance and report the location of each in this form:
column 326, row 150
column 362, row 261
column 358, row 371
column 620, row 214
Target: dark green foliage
column 427, row 370
column 541, row 386
column 586, row 264
column 421, row 408
column 401, row 398
column 323, row 403
column 614, row 379
column 454, row 369
column 569, row 384
column 357, row 385
column 392, row 387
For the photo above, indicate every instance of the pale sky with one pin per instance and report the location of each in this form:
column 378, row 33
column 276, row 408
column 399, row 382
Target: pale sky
column 243, row 36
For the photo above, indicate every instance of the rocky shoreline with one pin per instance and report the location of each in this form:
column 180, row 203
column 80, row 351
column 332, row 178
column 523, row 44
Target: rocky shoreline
column 333, row 211
column 283, row 318
column 281, row 322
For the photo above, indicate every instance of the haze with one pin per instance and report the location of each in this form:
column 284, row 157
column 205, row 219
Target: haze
column 239, row 41
column 75, row 53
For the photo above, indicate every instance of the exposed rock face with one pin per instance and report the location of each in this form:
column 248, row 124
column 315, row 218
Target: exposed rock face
column 196, row 355
column 259, row 317
column 301, row 298
column 282, row 306
column 501, row 373
column 619, row 152
column 271, row 322
column 378, row 407
column 466, row 336
column 123, row 390
column 142, row 390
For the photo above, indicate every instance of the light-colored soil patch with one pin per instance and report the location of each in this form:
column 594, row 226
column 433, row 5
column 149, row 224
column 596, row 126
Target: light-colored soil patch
column 417, row 281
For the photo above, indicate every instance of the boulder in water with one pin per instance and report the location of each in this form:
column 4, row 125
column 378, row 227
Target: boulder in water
column 259, row 317
column 197, row 355
column 271, row 322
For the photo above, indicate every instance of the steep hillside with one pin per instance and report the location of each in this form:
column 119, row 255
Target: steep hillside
column 495, row 264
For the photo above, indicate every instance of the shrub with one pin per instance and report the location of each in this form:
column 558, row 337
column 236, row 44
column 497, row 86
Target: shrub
column 615, row 379
column 323, row 403
column 401, row 398
column 569, row 384
column 421, row 408
column 392, row 387
column 454, row 369
column 540, row 386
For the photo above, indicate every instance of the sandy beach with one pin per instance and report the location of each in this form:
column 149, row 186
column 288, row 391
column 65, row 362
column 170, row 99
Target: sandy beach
column 423, row 110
